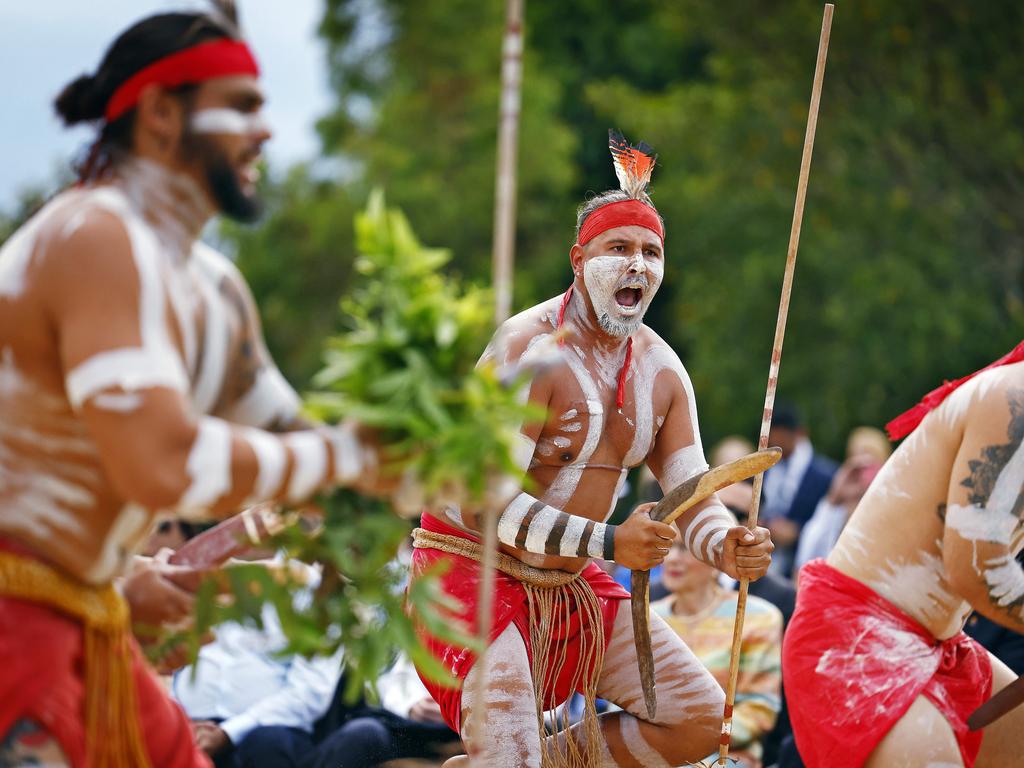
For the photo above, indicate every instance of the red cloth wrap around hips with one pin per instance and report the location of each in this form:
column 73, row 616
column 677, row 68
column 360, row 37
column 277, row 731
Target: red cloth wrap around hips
column 853, row 663
column 623, row 213
column 216, row 58
column 41, row 656
column 510, row 607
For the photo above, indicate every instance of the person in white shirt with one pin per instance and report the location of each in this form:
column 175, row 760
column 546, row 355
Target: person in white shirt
column 251, row 706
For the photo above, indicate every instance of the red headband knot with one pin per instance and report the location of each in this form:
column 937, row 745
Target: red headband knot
column 620, row 214
column 216, row 58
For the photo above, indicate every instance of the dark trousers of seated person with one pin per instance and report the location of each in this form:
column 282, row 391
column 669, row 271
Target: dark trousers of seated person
column 375, row 736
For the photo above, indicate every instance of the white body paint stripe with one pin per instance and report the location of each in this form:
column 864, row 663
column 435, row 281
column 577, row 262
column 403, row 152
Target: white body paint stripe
column 1005, row 579
column 216, row 336
column 977, row 524
column 634, row 741
column 570, row 543
column 712, row 545
column 208, row 466
column 348, row 453
column 682, row 465
column 309, row 465
column 540, row 527
column 129, row 368
column 227, row 121
column 270, row 399
column 272, row 459
column 595, row 547
column 522, row 452
column 512, row 518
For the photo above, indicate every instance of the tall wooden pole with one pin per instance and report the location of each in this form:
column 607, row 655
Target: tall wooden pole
column 773, row 372
column 503, row 257
column 505, row 178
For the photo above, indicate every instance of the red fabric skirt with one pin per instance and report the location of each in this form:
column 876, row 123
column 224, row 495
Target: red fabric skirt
column 461, row 581
column 42, row 680
column 853, row 663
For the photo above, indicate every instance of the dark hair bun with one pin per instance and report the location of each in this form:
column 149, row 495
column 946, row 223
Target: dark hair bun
column 79, row 102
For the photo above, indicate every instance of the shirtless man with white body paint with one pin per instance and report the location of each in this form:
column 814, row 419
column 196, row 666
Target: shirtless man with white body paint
column 617, row 397
column 877, row 669
column 134, row 380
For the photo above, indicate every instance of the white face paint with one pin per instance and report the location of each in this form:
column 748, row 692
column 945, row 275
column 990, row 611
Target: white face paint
column 605, row 275
column 229, row 121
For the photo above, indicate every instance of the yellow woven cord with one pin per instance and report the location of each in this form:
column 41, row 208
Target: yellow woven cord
column 548, row 591
column 112, row 732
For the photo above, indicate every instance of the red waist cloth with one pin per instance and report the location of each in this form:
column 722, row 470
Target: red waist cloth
column 41, row 680
column 853, row 663
column 510, row 607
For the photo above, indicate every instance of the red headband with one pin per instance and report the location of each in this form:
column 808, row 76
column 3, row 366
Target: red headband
column 217, row 58
column 620, row 214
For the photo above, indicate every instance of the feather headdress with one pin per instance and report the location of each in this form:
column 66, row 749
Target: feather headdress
column 633, row 165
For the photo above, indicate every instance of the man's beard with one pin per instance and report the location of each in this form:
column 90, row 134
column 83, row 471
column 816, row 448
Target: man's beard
column 619, row 328
column 221, row 178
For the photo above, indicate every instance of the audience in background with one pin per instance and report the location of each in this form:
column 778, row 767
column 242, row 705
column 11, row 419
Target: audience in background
column 793, row 487
column 867, row 449
column 702, row 612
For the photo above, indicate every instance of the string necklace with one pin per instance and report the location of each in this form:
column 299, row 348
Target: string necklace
column 620, row 396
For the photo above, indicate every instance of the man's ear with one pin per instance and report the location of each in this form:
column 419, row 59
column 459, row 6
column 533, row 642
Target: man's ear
column 159, row 117
column 576, row 259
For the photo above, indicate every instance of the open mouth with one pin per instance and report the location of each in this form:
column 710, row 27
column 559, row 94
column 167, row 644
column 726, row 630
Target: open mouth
column 629, row 298
column 248, row 169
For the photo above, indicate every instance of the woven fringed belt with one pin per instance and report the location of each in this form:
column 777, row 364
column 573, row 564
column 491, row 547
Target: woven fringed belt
column 540, row 578
column 548, row 594
column 113, row 735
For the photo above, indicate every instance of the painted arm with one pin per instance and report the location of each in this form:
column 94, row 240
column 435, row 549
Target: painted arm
column 985, row 506
column 124, row 376
column 677, row 456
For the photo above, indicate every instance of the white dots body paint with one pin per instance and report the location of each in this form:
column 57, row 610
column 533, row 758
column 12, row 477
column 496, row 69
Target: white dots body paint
column 561, row 442
column 227, row 121
column 572, row 427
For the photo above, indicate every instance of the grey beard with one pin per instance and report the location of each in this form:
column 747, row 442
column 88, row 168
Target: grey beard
column 619, row 328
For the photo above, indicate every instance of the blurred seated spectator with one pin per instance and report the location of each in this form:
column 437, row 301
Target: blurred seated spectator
column 793, row 487
column 730, row 448
column 867, row 449
column 702, row 612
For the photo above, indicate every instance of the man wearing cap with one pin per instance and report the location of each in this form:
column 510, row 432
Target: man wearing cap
column 134, row 378
column 615, row 396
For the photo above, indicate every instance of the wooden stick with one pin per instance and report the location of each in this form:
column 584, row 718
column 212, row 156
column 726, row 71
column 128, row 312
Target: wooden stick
column 773, row 373
column 505, row 177
column 504, row 247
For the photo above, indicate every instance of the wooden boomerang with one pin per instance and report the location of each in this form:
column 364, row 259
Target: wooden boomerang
column 1011, row 697
column 675, row 503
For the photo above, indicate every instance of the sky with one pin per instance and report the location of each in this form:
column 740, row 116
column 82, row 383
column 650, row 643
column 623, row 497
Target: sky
column 44, row 44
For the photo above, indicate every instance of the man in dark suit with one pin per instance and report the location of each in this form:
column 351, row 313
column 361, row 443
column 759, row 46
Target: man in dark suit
column 794, row 486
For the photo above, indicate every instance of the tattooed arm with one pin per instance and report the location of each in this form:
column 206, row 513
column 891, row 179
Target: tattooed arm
column 985, row 507
column 708, row 529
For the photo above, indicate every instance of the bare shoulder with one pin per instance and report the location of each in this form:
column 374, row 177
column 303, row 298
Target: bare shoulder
column 653, row 352
column 991, row 402
column 86, row 241
column 523, row 332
